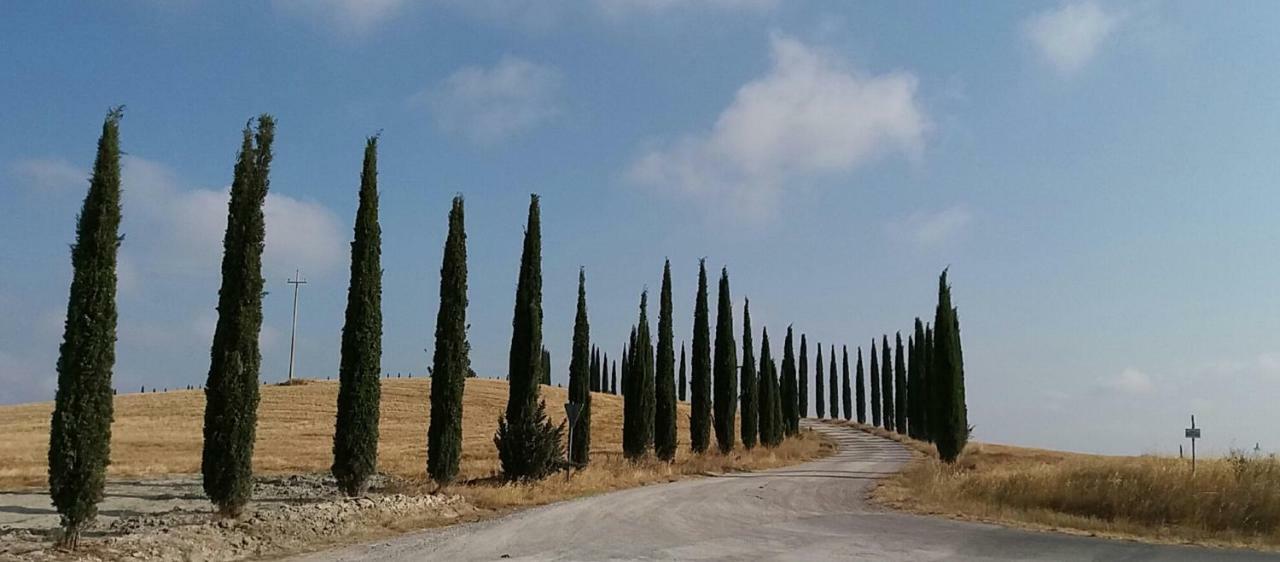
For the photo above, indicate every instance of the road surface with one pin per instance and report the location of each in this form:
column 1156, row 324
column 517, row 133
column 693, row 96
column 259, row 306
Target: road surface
column 808, row 512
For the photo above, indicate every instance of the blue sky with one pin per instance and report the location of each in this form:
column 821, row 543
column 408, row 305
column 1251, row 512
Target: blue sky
column 1098, row 176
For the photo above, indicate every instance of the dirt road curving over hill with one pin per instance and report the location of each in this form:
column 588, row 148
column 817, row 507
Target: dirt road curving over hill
column 814, row 511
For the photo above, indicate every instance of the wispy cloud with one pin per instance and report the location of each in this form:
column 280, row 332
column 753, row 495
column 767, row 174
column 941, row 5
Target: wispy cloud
column 355, row 17
column 1130, row 381
column 810, row 115
column 491, row 104
column 1069, row 36
column 49, row 174
column 617, row 8
column 928, row 229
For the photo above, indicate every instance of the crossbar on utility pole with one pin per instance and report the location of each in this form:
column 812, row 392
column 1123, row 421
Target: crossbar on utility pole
column 297, row 282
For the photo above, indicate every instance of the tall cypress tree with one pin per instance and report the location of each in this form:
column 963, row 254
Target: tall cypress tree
column 593, row 371
column 886, row 385
column 952, row 424
column 626, row 361
column 545, row 369
column 790, row 404
column 916, row 397
column 749, row 385
column 684, row 383
column 833, row 386
column 579, row 372
column 664, row 420
column 930, row 400
column 529, row 447
column 900, row 382
column 638, row 401
column 355, row 437
column 231, row 391
column 802, row 394
column 874, row 375
column 726, row 367
column 770, row 426
column 861, row 386
column 819, row 395
column 700, row 368
column 613, row 386
column 80, row 430
column 848, row 391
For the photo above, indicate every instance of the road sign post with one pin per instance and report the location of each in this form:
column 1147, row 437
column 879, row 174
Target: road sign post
column 1193, row 433
column 572, row 410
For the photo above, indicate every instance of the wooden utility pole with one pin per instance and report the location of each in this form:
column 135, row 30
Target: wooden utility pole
column 297, row 282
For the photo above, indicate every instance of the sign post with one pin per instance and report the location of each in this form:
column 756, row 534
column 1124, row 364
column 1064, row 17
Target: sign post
column 1193, row 433
column 572, row 410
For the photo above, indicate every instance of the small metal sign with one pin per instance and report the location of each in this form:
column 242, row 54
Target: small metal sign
column 1193, row 433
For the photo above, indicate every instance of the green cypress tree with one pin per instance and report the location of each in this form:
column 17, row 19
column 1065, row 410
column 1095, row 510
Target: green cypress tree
column 916, row 397
column 900, row 382
column 848, row 391
column 790, row 404
column 613, row 386
column 819, row 395
column 833, row 386
column 749, row 385
column 948, row 363
column 700, row 369
column 726, row 368
column 664, row 419
column 80, row 429
column 231, row 392
column 874, row 375
column 355, row 438
column 769, row 424
column 886, row 384
column 802, row 395
column 684, row 383
column 529, row 446
column 579, row 385
column 638, row 404
column 930, row 400
column 593, row 372
column 546, row 367
column 626, row 361
column 861, row 394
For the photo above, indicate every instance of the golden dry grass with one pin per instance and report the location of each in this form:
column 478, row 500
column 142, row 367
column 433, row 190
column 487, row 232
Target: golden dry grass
column 1232, row 501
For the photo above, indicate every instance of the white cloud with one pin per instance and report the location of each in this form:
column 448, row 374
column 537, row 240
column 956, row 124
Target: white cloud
column 810, row 115
column 1130, row 381
column 1070, row 36
column 616, row 8
column 932, row 228
column 49, row 174
column 490, row 104
column 350, row 16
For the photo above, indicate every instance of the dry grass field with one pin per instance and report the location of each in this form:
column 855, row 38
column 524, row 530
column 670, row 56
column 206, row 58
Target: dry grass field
column 1233, row 501
column 160, row 434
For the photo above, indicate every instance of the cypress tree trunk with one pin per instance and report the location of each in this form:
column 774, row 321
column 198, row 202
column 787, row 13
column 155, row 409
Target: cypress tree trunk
column 819, row 394
column 790, row 405
column 916, row 394
column 900, row 382
column 948, row 364
column 766, row 394
column 579, row 389
column 684, row 383
column 529, row 447
column 886, row 385
column 861, row 391
column 848, row 391
column 638, row 404
column 802, row 395
column 749, row 385
column 700, row 369
column 231, row 392
column 874, row 375
column 726, row 368
column 834, row 385
column 355, row 438
column 80, row 429
column 664, row 420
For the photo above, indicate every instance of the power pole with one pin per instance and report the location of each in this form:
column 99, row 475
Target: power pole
column 297, row 282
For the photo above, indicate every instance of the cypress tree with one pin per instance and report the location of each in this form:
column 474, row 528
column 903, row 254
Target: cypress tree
column 802, row 395
column 952, row 424
column 700, row 369
column 834, row 385
column 749, row 385
column 529, row 447
column 916, row 397
column 613, row 386
column 579, row 385
column 231, row 391
column 593, row 372
column 886, row 385
column 770, row 426
column 726, row 367
column 930, row 400
column 355, row 437
column 664, row 420
column 790, row 405
column 848, row 391
column 80, row 429
column 900, row 382
column 819, row 395
column 861, row 396
column 546, row 367
column 638, row 403
column 874, row 375
column 626, row 360
column 684, row 383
